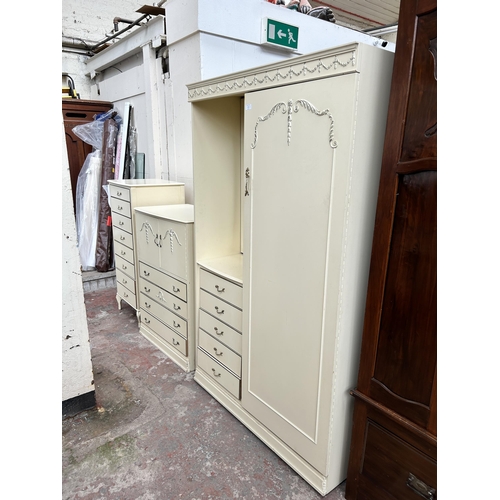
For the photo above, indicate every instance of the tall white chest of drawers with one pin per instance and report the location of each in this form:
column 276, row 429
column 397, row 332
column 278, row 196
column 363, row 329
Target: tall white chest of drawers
column 165, row 259
column 125, row 196
column 286, row 169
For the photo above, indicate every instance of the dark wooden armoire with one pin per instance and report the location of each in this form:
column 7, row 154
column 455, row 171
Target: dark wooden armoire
column 394, row 437
column 76, row 112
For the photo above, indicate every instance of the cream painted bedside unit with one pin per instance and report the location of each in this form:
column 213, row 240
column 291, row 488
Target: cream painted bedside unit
column 165, row 257
column 125, row 195
column 286, row 170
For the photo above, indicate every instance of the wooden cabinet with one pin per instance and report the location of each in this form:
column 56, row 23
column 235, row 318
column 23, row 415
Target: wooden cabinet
column 286, row 171
column 165, row 260
column 126, row 195
column 77, row 112
column 393, row 451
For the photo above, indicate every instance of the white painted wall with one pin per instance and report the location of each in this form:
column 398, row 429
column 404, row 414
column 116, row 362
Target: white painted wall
column 90, row 22
column 77, row 374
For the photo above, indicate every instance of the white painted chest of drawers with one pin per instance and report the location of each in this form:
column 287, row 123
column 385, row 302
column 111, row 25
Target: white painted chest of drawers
column 165, row 261
column 125, row 196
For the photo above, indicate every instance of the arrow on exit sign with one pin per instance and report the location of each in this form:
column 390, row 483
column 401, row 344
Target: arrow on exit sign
column 281, row 34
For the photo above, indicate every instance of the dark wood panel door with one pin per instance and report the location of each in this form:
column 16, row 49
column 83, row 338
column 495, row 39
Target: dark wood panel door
column 393, row 445
column 76, row 112
column 398, row 363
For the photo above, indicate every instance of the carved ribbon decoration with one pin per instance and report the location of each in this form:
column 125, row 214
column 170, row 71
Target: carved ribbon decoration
column 290, row 108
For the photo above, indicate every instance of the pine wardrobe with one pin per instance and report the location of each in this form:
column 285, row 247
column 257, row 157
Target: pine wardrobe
column 286, row 171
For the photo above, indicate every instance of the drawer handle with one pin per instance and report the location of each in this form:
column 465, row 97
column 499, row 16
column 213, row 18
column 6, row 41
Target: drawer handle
column 119, row 193
column 217, row 310
column 217, row 332
column 146, row 320
column 147, row 305
column 420, row 487
column 175, row 342
column 124, row 281
column 217, row 353
column 146, row 273
column 175, row 289
column 123, row 253
column 125, row 294
column 177, row 325
column 124, row 266
column 176, row 307
column 120, row 208
column 121, row 223
column 216, row 374
column 122, row 237
column 219, row 289
column 146, row 289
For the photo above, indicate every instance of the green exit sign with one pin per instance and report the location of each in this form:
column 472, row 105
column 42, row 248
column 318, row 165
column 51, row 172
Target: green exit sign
column 284, row 35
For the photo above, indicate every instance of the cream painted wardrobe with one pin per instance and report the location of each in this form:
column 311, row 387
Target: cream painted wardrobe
column 286, row 170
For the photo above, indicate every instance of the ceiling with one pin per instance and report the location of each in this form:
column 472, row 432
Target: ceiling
column 362, row 14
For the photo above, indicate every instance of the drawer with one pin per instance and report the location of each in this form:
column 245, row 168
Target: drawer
column 220, row 331
column 168, row 300
column 123, row 237
column 219, row 374
column 164, row 332
column 124, row 252
column 220, row 352
column 176, row 323
column 121, row 207
column 119, row 192
column 396, row 466
column 221, row 310
column 171, row 285
column 124, row 266
column 125, row 280
column 121, row 221
column 220, row 287
column 126, row 294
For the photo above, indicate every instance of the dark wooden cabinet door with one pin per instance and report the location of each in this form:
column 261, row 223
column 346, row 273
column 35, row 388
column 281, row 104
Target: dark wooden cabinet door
column 398, row 363
column 76, row 112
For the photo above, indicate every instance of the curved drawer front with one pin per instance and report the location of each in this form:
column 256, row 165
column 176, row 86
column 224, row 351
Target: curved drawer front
column 176, row 323
column 119, row 192
column 220, row 331
column 163, row 331
column 126, row 294
column 156, row 293
column 221, row 310
column 221, row 288
column 124, row 252
column 218, row 373
column 121, row 222
column 124, row 266
column 121, row 207
column 220, row 352
column 125, row 280
column 171, row 285
column 123, row 237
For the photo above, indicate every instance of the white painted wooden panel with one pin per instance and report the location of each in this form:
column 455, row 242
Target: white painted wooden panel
column 293, row 249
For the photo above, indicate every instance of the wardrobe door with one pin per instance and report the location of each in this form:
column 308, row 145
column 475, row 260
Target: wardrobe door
column 297, row 144
column 399, row 356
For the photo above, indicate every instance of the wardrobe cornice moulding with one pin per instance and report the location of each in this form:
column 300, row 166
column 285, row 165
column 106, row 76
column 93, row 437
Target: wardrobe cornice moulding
column 321, row 64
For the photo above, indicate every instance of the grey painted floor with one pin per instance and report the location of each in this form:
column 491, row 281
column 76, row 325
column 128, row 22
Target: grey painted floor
column 156, row 434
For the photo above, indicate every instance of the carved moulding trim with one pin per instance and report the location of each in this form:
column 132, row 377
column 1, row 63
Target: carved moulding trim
column 268, row 77
column 171, row 234
column 290, row 108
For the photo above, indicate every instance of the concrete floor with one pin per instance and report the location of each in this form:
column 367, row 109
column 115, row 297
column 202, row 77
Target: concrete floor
column 156, row 434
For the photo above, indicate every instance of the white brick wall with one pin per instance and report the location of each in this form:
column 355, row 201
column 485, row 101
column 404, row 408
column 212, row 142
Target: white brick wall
column 91, row 22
